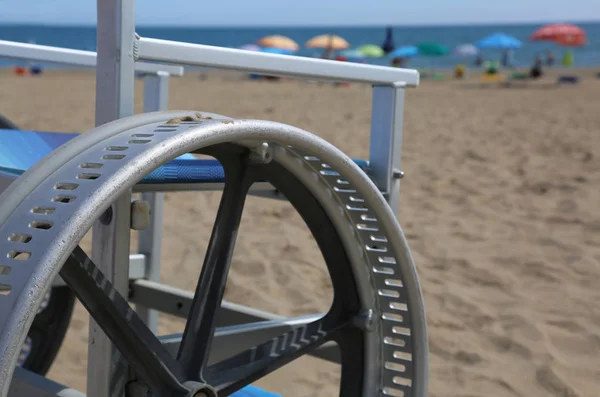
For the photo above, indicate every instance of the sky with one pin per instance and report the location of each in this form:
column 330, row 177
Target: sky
column 307, row 12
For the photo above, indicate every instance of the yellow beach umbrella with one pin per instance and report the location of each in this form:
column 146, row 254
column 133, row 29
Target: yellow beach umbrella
column 327, row 41
column 278, row 41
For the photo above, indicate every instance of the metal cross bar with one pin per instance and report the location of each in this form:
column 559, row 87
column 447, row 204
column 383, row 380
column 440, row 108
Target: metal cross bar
column 273, row 64
column 67, row 56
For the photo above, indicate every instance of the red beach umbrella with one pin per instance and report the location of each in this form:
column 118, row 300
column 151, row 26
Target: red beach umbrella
column 561, row 33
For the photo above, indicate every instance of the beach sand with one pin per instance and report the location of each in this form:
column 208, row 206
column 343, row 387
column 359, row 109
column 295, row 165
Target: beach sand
column 499, row 204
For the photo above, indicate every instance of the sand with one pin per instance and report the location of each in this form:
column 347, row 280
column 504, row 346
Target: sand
column 499, row 204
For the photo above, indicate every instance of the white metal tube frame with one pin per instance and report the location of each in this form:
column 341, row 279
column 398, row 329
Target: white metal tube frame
column 119, row 48
column 388, row 91
column 156, row 97
column 67, row 56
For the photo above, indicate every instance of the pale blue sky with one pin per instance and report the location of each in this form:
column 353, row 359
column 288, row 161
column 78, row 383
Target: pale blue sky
column 308, row 12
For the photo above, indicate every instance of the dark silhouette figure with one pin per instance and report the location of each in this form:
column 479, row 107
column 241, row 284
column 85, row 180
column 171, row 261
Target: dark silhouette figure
column 388, row 44
column 549, row 58
column 536, row 69
column 478, row 61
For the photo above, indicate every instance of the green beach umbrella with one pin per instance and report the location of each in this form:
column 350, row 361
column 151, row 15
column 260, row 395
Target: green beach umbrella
column 371, row 51
column 432, row 49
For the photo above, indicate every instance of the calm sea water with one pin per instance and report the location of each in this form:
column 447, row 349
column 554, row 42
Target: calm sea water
column 84, row 38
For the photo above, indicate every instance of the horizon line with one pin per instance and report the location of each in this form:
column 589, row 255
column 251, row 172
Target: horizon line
column 242, row 26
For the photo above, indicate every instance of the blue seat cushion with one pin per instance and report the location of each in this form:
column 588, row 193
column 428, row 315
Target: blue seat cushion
column 253, row 391
column 21, row 149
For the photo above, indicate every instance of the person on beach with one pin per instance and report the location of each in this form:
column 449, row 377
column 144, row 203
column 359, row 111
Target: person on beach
column 507, row 60
column 398, row 62
column 536, row 69
column 549, row 58
column 491, row 67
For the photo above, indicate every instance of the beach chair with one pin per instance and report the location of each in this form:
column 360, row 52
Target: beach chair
column 567, row 79
column 495, row 78
column 55, row 187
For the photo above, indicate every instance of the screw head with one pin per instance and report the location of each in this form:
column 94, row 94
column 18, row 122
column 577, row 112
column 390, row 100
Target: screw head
column 365, row 320
column 397, row 174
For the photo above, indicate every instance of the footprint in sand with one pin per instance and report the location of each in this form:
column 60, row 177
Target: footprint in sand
column 552, row 383
column 468, row 358
column 504, row 344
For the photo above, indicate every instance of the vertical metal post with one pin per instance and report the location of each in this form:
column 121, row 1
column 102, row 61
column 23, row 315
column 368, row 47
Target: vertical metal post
column 110, row 246
column 385, row 150
column 156, row 97
column 156, row 92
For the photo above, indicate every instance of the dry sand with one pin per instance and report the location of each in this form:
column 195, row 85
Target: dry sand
column 500, row 207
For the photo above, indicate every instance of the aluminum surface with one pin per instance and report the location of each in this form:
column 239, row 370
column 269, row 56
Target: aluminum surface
column 272, row 64
column 115, row 83
column 385, row 148
column 315, row 162
column 156, row 98
column 68, row 56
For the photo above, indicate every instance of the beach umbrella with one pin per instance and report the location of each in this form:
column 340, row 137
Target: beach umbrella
column 404, row 52
column 274, row 50
column 352, row 54
column 561, row 33
column 371, row 51
column 327, row 42
column 466, row 50
column 250, row 47
column 499, row 40
column 432, row 49
column 278, row 41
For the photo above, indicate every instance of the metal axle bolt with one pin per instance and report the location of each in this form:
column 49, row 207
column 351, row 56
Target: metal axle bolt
column 263, row 154
column 200, row 390
column 397, row 174
column 365, row 320
column 140, row 214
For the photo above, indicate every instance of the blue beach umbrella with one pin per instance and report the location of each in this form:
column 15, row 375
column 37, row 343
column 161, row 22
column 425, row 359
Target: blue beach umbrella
column 500, row 41
column 352, row 54
column 404, row 52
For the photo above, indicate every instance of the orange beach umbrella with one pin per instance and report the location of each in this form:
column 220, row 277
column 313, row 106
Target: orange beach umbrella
column 327, row 41
column 278, row 41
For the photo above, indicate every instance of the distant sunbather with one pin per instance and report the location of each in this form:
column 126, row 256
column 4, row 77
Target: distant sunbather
column 536, row 69
column 491, row 67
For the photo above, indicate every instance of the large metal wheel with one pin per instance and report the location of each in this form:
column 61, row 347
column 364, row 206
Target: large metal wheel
column 50, row 325
column 377, row 316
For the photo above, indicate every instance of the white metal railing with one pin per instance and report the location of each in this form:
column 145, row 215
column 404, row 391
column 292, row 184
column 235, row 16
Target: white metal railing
column 272, row 64
column 67, row 56
column 388, row 90
column 120, row 52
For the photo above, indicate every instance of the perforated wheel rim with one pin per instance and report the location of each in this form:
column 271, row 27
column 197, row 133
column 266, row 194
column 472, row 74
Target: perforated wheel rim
column 402, row 296
column 39, row 350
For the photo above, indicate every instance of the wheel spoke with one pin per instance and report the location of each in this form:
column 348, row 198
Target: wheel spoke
column 195, row 345
column 142, row 350
column 236, row 372
column 350, row 341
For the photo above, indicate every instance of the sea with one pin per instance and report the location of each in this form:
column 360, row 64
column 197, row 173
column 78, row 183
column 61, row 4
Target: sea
column 84, row 38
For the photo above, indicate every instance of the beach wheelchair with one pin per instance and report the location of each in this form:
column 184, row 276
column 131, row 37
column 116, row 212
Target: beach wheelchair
column 56, row 187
